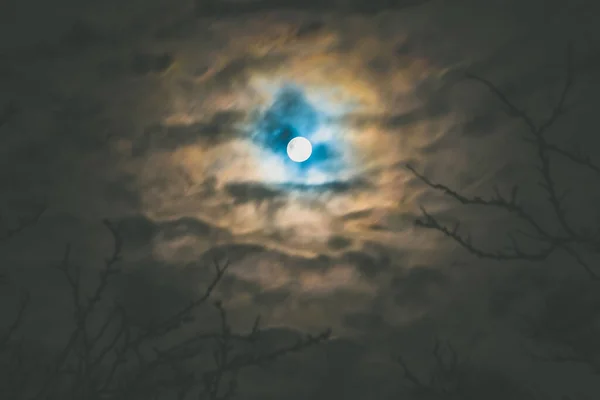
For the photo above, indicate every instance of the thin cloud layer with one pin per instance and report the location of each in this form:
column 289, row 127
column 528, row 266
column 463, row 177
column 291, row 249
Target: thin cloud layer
column 266, row 196
column 158, row 126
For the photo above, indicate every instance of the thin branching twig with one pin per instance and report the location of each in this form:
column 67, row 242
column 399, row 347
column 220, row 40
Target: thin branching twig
column 558, row 235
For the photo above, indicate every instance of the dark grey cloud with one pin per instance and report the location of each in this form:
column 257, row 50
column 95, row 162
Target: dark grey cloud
column 252, row 192
column 276, row 195
column 363, row 321
column 310, row 28
column 369, row 265
column 358, row 214
column 368, row 273
column 121, row 191
column 137, row 230
column 566, row 319
column 147, row 63
column 339, row 242
column 236, row 71
column 388, row 121
column 77, row 112
column 153, row 291
column 220, row 127
column 516, row 291
column 82, row 35
column 232, row 252
column 271, row 297
column 418, row 286
column 9, row 111
column 337, row 186
column 222, row 9
column 185, row 226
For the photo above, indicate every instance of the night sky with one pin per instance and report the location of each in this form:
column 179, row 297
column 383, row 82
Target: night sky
column 162, row 126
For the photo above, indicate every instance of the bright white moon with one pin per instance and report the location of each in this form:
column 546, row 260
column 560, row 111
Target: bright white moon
column 299, row 149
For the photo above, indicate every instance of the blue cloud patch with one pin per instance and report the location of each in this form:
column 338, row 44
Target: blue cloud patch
column 291, row 115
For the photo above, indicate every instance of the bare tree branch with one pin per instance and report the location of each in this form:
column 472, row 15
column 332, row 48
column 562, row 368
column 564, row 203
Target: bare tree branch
column 563, row 236
column 568, row 323
column 5, row 339
column 23, row 224
column 446, row 377
column 113, row 358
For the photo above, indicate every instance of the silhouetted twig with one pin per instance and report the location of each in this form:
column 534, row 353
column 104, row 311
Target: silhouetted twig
column 23, row 224
column 114, row 358
column 446, row 376
column 564, row 236
column 567, row 321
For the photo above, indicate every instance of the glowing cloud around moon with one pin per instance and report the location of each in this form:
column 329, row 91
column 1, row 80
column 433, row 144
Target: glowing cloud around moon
column 301, row 144
column 299, row 149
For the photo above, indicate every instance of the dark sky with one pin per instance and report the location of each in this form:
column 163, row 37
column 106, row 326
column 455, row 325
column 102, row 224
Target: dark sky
column 145, row 113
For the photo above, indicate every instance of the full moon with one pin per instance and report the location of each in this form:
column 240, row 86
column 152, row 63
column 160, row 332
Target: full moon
column 299, row 149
